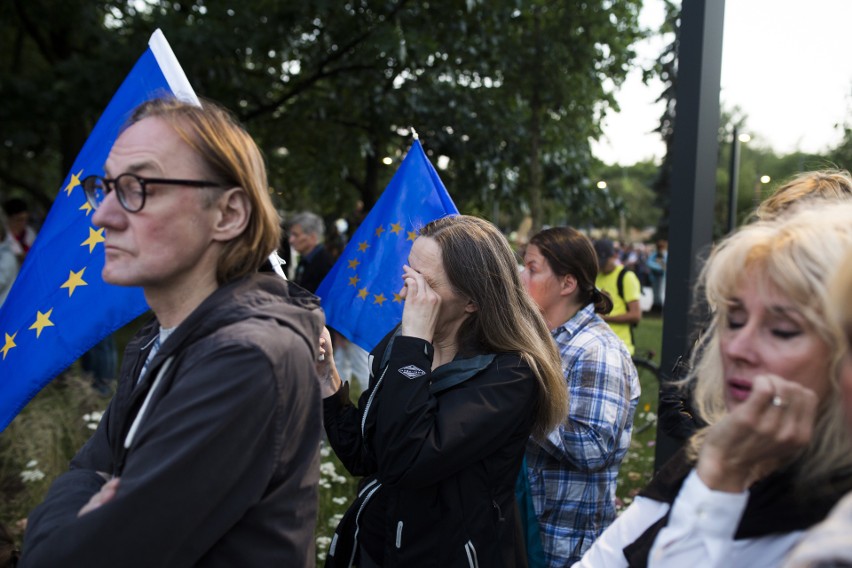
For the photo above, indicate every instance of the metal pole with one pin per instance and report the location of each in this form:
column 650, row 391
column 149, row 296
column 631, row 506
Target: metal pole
column 693, row 180
column 734, row 180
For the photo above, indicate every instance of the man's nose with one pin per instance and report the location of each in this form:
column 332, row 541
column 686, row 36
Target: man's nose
column 109, row 212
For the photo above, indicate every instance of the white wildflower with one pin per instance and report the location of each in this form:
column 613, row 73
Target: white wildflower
column 340, row 500
column 30, row 475
column 31, row 464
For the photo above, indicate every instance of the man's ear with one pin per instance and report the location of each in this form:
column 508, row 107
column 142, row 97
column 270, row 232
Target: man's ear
column 233, row 211
column 568, row 285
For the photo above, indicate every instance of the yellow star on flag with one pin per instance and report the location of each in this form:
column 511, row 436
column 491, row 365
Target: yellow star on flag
column 42, row 321
column 74, row 279
column 396, row 228
column 397, row 298
column 353, row 281
column 380, row 299
column 411, row 235
column 353, row 264
column 362, row 293
column 86, row 207
column 10, row 342
column 362, row 247
column 379, row 231
column 95, row 237
column 75, row 181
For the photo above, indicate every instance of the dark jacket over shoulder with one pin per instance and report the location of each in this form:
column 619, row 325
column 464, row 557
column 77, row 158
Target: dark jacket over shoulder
column 445, row 447
column 221, row 468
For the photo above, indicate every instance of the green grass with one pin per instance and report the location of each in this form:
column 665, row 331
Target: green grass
column 638, row 466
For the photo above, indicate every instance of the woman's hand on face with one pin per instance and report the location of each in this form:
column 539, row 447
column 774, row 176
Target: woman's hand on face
column 769, row 429
column 422, row 304
column 329, row 379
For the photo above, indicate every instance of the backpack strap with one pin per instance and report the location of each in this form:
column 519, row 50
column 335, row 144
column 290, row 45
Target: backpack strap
column 619, row 284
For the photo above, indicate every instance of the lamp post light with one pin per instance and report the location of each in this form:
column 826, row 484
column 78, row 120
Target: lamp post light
column 734, row 176
column 758, row 188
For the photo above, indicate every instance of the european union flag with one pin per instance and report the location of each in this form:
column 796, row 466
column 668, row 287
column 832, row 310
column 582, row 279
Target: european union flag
column 360, row 295
column 59, row 307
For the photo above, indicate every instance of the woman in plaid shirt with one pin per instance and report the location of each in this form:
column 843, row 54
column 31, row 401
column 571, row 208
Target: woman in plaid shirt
column 573, row 471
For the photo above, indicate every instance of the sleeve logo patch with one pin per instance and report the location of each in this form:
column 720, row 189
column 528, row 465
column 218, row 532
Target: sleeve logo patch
column 412, row 372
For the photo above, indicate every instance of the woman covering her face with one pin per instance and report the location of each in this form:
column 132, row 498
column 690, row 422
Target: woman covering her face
column 455, row 392
column 776, row 455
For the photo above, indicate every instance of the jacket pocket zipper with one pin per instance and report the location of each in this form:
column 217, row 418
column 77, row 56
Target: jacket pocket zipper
column 399, row 535
column 472, row 561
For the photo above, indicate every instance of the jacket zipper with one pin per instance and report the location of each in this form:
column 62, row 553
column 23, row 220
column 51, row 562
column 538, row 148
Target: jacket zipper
column 399, row 535
column 370, row 401
column 358, row 517
column 472, row 561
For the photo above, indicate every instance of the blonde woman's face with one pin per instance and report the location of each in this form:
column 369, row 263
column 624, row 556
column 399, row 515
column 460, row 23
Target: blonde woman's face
column 765, row 333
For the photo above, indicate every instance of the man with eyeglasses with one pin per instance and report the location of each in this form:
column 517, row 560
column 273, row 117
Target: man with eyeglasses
column 208, row 454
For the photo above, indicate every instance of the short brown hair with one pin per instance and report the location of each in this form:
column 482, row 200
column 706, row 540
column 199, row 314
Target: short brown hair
column 234, row 160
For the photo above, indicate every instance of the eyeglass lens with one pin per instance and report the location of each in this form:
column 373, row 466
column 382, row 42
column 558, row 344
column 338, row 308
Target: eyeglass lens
column 130, row 191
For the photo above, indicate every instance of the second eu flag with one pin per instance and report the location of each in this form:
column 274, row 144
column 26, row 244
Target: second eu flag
column 360, row 295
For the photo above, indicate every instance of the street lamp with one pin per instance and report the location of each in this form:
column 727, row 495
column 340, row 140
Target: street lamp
column 734, row 176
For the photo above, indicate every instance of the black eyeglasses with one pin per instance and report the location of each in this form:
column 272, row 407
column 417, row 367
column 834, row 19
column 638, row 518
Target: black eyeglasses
column 130, row 189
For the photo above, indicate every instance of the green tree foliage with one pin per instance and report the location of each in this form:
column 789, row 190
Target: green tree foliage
column 665, row 69
column 509, row 92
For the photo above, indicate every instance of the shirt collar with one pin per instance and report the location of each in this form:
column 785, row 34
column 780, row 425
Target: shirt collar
column 580, row 320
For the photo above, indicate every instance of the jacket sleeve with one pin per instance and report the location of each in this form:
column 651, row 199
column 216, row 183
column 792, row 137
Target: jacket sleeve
column 342, row 422
column 602, row 387
column 420, row 441
column 204, row 441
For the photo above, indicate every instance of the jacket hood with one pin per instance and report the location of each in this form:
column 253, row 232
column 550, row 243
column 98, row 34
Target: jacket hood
column 260, row 296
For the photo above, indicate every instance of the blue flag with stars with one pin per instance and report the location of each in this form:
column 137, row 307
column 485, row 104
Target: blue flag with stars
column 360, row 295
column 59, row 307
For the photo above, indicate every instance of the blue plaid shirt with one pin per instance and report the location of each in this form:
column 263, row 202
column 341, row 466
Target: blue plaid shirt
column 573, row 472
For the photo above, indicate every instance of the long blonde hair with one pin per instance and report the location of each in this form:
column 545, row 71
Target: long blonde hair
column 796, row 255
column 481, row 266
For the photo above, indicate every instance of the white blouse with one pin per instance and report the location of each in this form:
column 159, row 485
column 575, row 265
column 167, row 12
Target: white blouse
column 699, row 534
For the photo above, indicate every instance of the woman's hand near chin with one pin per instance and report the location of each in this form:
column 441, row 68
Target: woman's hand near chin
column 769, row 429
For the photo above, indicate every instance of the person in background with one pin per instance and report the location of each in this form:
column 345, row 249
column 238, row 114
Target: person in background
column 776, row 455
column 657, row 262
column 101, row 362
column 306, row 237
column 208, row 454
column 307, row 232
column 455, row 392
column 623, row 289
column 8, row 262
column 573, row 472
column 21, row 236
column 828, row 545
